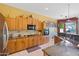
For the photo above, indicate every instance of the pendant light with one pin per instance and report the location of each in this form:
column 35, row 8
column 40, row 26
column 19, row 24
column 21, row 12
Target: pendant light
column 68, row 11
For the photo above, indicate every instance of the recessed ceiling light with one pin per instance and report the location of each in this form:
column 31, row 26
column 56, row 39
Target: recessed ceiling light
column 78, row 45
column 46, row 8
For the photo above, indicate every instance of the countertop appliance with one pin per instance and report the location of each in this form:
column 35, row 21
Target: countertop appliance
column 31, row 27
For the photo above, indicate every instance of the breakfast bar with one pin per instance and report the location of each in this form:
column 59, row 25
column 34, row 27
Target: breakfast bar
column 61, row 51
column 62, row 47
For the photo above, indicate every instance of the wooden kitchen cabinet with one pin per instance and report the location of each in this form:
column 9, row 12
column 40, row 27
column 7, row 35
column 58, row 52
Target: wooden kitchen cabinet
column 30, row 42
column 39, row 40
column 21, row 23
column 35, row 43
column 57, row 40
column 44, row 25
column 24, row 26
column 19, row 44
column 45, row 40
column 25, row 43
column 11, row 23
column 30, row 20
column 42, row 40
column 39, row 25
column 34, row 21
column 11, row 46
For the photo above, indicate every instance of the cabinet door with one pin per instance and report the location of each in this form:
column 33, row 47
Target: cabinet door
column 34, row 21
column 30, row 20
column 31, row 40
column 35, row 40
column 42, row 40
column 11, row 46
column 57, row 40
column 39, row 40
column 44, row 25
column 39, row 25
column 23, row 43
column 24, row 26
column 45, row 40
column 25, row 40
column 19, row 44
column 21, row 23
column 11, row 23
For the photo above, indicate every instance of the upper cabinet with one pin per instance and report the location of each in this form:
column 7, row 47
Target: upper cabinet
column 30, row 20
column 11, row 23
column 20, row 23
column 35, row 21
column 39, row 25
column 44, row 25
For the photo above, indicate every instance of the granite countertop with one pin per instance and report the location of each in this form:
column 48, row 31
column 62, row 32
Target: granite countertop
column 15, row 34
column 61, row 50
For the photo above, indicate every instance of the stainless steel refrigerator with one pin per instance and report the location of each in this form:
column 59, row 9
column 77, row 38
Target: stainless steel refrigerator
column 3, row 36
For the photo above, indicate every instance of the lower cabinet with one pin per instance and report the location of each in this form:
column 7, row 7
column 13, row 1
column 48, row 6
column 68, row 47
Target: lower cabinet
column 25, row 42
column 41, row 40
column 11, row 46
column 45, row 40
column 30, row 42
column 57, row 40
column 18, row 44
column 35, row 41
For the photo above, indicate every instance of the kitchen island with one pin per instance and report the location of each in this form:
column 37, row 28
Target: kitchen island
column 61, row 51
column 61, row 48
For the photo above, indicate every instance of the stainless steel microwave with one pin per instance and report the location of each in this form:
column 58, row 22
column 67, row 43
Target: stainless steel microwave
column 31, row 27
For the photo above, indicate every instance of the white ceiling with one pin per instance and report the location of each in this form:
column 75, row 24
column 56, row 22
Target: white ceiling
column 54, row 10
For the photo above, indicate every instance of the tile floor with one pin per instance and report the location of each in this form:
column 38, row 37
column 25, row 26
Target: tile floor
column 34, row 53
